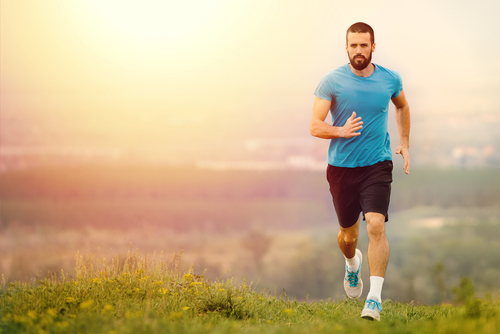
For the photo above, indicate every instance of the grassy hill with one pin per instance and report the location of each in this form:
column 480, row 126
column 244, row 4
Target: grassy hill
column 135, row 294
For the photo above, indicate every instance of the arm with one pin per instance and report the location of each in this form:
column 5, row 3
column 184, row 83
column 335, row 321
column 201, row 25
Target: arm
column 319, row 128
column 403, row 122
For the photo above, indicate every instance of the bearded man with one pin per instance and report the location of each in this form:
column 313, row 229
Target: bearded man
column 360, row 165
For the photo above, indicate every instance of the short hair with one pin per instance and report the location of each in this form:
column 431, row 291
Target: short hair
column 361, row 27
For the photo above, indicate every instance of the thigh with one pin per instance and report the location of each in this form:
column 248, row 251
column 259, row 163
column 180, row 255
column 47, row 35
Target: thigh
column 375, row 192
column 344, row 194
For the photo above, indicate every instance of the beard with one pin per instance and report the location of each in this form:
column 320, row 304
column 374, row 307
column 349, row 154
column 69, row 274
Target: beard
column 361, row 66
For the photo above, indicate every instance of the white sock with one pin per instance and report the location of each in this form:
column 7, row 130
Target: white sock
column 353, row 263
column 375, row 292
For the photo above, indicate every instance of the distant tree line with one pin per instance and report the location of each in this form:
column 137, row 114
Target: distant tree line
column 186, row 198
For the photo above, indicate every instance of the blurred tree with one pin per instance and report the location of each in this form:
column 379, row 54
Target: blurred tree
column 465, row 291
column 258, row 244
column 440, row 275
column 316, row 271
column 211, row 270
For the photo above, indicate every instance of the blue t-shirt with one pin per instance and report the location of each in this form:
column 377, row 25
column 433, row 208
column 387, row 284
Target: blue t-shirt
column 369, row 97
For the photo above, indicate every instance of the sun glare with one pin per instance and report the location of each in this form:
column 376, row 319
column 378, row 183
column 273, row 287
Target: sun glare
column 166, row 30
column 154, row 21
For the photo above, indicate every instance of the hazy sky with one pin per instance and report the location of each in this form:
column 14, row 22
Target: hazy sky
column 195, row 61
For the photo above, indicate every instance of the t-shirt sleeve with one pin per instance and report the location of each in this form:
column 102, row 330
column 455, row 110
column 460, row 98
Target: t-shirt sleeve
column 325, row 89
column 398, row 85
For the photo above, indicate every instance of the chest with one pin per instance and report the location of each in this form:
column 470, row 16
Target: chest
column 366, row 94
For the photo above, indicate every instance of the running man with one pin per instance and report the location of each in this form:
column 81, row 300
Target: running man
column 359, row 157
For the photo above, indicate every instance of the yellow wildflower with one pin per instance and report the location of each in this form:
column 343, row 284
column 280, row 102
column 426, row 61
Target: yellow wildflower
column 20, row 318
column 86, row 304
column 175, row 316
column 130, row 314
column 51, row 312
column 62, row 324
column 107, row 308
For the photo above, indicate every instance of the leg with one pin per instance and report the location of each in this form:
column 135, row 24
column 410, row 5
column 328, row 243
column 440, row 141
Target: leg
column 348, row 240
column 346, row 201
column 378, row 246
column 378, row 256
column 374, row 200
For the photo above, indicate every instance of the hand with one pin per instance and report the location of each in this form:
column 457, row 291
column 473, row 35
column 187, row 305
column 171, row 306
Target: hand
column 352, row 125
column 403, row 150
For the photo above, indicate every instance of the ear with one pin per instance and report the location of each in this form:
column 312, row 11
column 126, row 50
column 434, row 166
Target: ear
column 373, row 47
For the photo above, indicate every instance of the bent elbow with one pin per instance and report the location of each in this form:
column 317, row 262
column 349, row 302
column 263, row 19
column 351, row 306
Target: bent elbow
column 313, row 130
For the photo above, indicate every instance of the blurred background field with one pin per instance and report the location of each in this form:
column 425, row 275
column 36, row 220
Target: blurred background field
column 277, row 228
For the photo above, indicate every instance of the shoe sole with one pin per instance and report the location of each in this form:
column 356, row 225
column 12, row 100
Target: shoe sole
column 369, row 314
column 369, row 317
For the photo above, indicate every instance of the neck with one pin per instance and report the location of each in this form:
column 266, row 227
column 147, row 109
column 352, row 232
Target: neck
column 366, row 72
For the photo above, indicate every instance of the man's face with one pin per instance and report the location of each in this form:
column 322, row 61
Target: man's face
column 359, row 49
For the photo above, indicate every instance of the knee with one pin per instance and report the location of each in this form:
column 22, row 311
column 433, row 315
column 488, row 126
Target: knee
column 348, row 238
column 376, row 227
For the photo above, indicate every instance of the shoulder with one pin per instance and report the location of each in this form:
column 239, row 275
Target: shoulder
column 335, row 76
column 392, row 78
column 328, row 86
column 388, row 72
column 339, row 71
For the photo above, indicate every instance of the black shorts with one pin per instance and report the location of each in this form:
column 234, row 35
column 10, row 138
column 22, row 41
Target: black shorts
column 360, row 189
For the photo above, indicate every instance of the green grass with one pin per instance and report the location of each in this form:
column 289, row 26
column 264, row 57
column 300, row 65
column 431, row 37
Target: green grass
column 135, row 294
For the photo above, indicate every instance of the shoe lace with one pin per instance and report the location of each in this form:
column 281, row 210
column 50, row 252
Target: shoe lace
column 373, row 304
column 352, row 277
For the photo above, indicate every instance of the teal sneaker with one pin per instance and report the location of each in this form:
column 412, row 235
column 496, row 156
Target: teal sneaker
column 353, row 284
column 372, row 310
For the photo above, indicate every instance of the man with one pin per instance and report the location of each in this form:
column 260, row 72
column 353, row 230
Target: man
column 359, row 157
